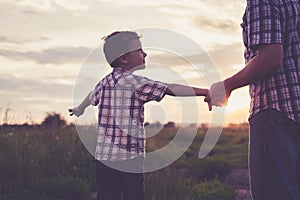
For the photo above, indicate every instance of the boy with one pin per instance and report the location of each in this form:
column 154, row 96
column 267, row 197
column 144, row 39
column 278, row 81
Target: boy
column 121, row 96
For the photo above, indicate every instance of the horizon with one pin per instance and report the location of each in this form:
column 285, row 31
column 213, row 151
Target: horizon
column 31, row 122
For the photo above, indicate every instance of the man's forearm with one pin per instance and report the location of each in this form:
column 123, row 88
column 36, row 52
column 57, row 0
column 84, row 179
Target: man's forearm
column 268, row 59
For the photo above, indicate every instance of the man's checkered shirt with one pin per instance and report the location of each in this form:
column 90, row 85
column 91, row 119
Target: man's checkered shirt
column 275, row 22
column 120, row 97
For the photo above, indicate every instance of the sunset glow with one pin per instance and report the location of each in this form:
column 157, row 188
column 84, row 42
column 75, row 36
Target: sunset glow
column 44, row 44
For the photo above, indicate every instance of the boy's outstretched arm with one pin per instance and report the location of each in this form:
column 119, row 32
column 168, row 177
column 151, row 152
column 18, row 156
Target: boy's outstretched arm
column 184, row 91
column 79, row 110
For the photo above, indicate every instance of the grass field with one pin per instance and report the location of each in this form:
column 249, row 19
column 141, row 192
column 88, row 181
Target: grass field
column 51, row 163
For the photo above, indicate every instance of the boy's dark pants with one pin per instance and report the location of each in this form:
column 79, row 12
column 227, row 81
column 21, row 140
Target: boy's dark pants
column 113, row 184
column 274, row 156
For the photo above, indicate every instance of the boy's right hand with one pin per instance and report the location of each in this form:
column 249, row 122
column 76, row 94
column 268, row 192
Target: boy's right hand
column 207, row 99
column 77, row 111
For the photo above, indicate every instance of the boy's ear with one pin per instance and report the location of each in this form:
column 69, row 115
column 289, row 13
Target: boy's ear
column 122, row 59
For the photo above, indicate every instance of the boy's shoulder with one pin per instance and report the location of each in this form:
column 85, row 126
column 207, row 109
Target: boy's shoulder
column 137, row 79
column 119, row 77
column 125, row 77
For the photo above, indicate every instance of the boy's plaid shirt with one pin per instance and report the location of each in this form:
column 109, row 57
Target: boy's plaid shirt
column 121, row 97
column 275, row 22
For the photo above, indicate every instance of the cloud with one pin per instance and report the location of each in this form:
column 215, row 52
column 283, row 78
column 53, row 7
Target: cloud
column 5, row 39
column 220, row 60
column 71, row 26
column 167, row 59
column 20, row 87
column 223, row 18
column 226, row 26
column 227, row 57
column 32, row 12
column 37, row 96
column 140, row 2
column 72, row 5
column 22, row 41
column 192, row 10
column 183, row 64
column 58, row 56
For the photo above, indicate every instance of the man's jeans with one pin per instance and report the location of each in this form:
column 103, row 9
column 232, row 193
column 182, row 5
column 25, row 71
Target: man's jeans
column 274, row 156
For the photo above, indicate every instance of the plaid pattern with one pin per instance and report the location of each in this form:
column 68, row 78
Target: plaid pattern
column 121, row 97
column 275, row 22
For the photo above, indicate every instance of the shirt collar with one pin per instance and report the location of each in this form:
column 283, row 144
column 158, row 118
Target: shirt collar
column 120, row 69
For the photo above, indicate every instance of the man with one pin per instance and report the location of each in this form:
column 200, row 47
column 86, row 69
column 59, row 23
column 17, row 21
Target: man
column 271, row 34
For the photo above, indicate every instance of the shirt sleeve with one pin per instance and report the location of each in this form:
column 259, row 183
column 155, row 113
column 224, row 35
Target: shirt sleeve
column 95, row 95
column 150, row 90
column 264, row 26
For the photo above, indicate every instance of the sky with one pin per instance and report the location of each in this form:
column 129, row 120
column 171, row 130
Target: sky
column 46, row 46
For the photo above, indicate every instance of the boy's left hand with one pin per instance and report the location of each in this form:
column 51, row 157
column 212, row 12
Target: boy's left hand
column 77, row 111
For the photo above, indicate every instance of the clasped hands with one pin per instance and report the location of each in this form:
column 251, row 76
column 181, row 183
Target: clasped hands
column 218, row 95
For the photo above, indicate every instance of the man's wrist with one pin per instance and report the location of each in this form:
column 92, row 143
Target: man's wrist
column 229, row 85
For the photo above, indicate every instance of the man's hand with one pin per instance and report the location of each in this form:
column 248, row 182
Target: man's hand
column 77, row 111
column 218, row 95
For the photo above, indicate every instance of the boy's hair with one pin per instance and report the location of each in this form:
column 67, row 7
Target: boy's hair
column 117, row 44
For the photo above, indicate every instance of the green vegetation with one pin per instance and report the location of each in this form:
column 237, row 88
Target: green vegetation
column 191, row 178
column 49, row 162
column 44, row 163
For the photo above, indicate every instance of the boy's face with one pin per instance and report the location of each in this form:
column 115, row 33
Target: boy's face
column 135, row 59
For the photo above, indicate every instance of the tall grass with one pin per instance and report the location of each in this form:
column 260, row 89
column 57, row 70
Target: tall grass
column 44, row 163
column 51, row 163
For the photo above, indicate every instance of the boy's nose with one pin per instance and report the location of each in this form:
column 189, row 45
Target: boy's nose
column 144, row 54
